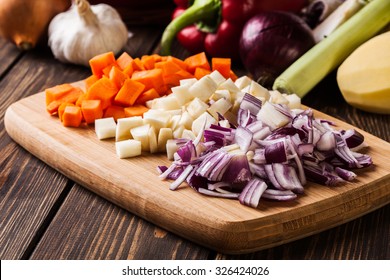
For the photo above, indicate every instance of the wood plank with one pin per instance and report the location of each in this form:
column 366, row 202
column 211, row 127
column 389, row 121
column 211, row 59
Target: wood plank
column 27, row 196
column 224, row 225
column 9, row 53
column 89, row 227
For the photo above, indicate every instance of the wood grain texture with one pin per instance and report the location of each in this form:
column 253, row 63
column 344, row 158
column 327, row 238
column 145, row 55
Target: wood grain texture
column 9, row 55
column 93, row 228
column 223, row 225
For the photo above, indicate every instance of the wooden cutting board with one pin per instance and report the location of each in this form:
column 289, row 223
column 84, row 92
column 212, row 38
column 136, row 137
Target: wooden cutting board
column 220, row 224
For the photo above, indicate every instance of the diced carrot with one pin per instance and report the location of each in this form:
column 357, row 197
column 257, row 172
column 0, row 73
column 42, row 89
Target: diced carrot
column 197, row 60
column 129, row 92
column 117, row 112
column 168, row 67
column 157, row 57
column 201, row 72
column 135, row 110
column 61, row 109
column 146, row 96
column 81, row 98
column 56, row 92
column 90, row 81
column 222, row 65
column 52, row 107
column 117, row 76
column 68, row 97
column 101, row 61
column 137, row 64
column 128, row 70
column 124, row 60
column 148, row 61
column 72, row 116
column 151, row 79
column 178, row 62
column 91, row 110
column 104, row 90
column 232, row 75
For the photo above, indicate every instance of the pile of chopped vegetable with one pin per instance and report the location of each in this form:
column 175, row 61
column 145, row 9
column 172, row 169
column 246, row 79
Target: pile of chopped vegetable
column 226, row 136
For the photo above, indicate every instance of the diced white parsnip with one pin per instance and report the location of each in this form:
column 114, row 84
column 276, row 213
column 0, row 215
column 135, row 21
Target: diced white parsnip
column 189, row 81
column 203, row 88
column 221, row 93
column 186, row 120
column 153, row 147
column 171, row 148
column 270, row 116
column 188, row 134
column 174, row 121
column 177, row 133
column 167, row 102
column 294, row 102
column 203, row 120
column 220, row 106
column 277, row 97
column 242, row 82
column 105, row 128
column 231, row 87
column 196, row 107
column 124, row 125
column 141, row 133
column 224, row 123
column 157, row 118
column 217, row 77
column 128, row 148
column 164, row 135
column 259, row 91
column 181, row 93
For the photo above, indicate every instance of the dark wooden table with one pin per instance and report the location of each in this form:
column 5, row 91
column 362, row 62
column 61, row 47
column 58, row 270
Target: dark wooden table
column 44, row 215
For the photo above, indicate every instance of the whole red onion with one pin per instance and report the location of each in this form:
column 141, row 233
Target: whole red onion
column 272, row 41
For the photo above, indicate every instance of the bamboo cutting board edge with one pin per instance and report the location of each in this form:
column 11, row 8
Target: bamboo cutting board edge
column 217, row 225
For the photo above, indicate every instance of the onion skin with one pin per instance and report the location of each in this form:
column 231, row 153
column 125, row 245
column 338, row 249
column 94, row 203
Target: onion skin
column 272, row 41
column 25, row 22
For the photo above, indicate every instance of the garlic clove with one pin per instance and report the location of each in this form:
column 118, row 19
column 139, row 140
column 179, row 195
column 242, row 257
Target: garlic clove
column 84, row 31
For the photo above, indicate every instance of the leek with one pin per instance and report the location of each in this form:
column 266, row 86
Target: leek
column 328, row 54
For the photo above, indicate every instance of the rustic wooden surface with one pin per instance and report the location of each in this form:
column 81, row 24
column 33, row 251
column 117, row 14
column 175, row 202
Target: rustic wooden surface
column 44, row 215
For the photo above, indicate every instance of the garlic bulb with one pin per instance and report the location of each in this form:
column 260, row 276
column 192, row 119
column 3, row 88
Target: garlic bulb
column 85, row 31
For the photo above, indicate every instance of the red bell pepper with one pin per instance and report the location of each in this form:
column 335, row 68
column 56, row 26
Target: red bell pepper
column 215, row 26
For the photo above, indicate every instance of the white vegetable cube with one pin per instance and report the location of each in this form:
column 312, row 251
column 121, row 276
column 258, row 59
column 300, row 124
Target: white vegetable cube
column 168, row 102
column 203, row 88
column 157, row 118
column 174, row 121
column 105, row 128
column 272, row 117
column 196, row 107
column 217, row 77
column 277, row 97
column 220, row 106
column 189, row 81
column 224, row 123
column 141, row 133
column 182, row 94
column 259, row 91
column 163, row 136
column 188, row 134
column 177, row 133
column 153, row 148
column 128, row 148
column 294, row 101
column 186, row 120
column 171, row 148
column 221, row 93
column 231, row 87
column 242, row 82
column 203, row 121
column 124, row 125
